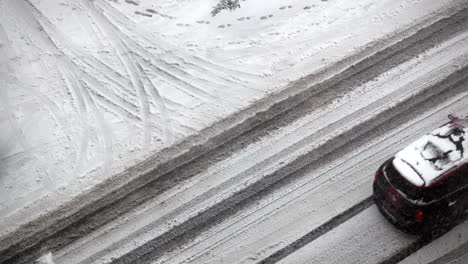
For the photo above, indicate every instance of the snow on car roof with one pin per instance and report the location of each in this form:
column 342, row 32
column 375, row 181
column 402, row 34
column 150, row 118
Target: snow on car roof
column 429, row 157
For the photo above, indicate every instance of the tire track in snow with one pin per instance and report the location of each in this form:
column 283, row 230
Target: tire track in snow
column 147, row 59
column 320, row 231
column 367, row 238
column 150, row 62
column 265, row 217
column 136, row 73
column 124, row 55
column 452, row 247
column 102, row 97
column 86, row 101
column 181, row 78
column 370, row 234
column 221, row 71
column 29, row 11
column 159, row 102
column 188, row 229
column 278, row 106
column 419, row 244
column 271, row 204
column 174, row 64
column 106, row 131
column 108, row 97
column 4, row 76
column 115, row 103
column 86, row 128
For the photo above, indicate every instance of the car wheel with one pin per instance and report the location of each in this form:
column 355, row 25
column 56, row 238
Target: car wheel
column 440, row 227
column 440, row 224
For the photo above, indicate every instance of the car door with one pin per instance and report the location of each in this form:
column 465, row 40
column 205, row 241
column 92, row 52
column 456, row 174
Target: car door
column 464, row 182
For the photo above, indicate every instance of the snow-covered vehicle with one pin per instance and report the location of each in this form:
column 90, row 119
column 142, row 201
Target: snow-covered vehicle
column 423, row 189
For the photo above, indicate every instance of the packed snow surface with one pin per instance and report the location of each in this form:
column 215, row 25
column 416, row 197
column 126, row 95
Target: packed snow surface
column 91, row 88
column 298, row 206
column 429, row 157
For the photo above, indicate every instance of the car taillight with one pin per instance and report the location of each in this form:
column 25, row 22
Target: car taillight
column 377, row 175
column 419, row 216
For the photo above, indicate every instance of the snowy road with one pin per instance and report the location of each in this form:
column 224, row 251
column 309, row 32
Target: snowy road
column 299, row 178
column 450, row 248
column 366, row 238
column 370, row 238
column 299, row 207
column 287, row 180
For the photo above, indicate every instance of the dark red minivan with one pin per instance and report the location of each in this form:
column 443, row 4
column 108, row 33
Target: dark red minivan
column 423, row 189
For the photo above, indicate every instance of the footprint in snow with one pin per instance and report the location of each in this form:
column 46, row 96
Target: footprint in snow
column 152, row 11
column 265, row 17
column 143, row 14
column 131, row 2
column 223, row 26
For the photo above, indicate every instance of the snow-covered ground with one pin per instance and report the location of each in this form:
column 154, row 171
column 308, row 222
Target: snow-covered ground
column 450, row 248
column 91, row 88
column 301, row 205
column 366, row 238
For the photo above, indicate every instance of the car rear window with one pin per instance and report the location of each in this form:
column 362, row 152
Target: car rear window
column 400, row 183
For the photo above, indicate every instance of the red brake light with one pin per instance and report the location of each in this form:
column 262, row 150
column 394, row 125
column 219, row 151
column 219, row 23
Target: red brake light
column 419, row 217
column 377, row 174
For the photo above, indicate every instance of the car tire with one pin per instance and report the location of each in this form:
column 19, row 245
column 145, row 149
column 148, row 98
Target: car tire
column 440, row 224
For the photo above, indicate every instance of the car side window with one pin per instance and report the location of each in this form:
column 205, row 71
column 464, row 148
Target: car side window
column 447, row 185
column 457, row 181
column 465, row 184
column 464, row 176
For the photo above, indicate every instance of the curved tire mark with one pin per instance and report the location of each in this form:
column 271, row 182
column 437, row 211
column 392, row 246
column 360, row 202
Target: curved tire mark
column 208, row 65
column 64, row 62
column 177, row 74
column 160, row 105
column 51, row 33
column 125, row 56
column 85, row 127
